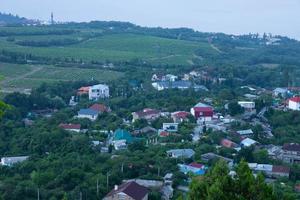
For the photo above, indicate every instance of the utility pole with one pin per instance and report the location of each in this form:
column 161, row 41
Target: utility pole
column 107, row 180
column 122, row 168
column 80, row 195
column 38, row 193
column 97, row 186
column 158, row 171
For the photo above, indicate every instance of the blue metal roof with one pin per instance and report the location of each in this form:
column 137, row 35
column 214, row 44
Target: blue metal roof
column 87, row 112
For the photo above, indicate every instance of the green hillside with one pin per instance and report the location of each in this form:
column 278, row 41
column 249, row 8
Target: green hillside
column 16, row 77
column 91, row 45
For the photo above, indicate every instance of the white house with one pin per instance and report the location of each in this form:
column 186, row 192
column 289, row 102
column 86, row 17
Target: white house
column 10, row 161
column 97, row 92
column 249, row 105
column 294, row 103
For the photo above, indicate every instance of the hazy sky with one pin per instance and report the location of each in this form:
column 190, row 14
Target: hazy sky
column 229, row 16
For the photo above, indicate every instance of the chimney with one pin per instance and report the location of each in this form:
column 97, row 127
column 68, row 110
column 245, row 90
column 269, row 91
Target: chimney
column 116, row 187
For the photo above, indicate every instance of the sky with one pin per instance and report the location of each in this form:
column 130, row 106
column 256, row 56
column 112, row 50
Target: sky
column 279, row 17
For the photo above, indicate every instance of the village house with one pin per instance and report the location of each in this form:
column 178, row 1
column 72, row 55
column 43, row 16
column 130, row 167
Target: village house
column 280, row 92
column 88, row 114
column 83, row 91
column 128, row 191
column 181, row 153
column 171, row 77
column 247, row 105
column 248, row 142
column 181, row 85
column 158, row 77
column 194, row 168
column 228, row 143
column 207, row 157
column 147, row 113
column 180, row 116
column 271, row 171
column 273, row 151
column 290, row 153
column 245, row 133
column 294, row 103
column 121, row 138
column 202, row 112
column 99, row 91
column 10, row 161
column 280, row 171
column 148, row 130
column 100, row 108
column 71, row 127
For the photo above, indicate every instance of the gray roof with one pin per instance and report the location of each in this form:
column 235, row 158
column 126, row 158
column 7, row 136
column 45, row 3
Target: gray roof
column 281, row 90
column 8, row 161
column 202, row 105
column 87, row 112
column 181, row 152
column 245, row 132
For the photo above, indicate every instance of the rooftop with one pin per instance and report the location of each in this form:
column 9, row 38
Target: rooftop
column 132, row 189
column 291, row 147
column 87, row 112
column 281, row 169
column 295, row 99
column 121, row 134
column 99, row 107
column 70, row 126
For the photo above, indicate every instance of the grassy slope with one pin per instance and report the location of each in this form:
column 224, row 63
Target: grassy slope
column 117, row 47
column 26, row 76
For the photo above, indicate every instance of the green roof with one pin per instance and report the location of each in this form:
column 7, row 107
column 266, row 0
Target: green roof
column 121, row 134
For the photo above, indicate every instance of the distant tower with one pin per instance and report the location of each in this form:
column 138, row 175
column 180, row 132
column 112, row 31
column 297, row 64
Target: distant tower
column 52, row 18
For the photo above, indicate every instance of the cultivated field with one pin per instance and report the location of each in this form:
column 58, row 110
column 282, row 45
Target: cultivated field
column 18, row 77
column 111, row 47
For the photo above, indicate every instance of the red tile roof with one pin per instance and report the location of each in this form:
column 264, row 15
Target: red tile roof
column 227, row 143
column 83, row 90
column 291, row 147
column 196, row 165
column 132, row 189
column 295, row 99
column 164, row 134
column 70, row 126
column 280, row 169
column 99, row 108
column 180, row 114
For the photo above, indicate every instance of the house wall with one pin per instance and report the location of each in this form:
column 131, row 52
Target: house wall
column 294, row 105
column 91, row 117
column 290, row 157
column 73, row 130
column 96, row 93
column 279, row 174
column 247, row 105
column 122, row 196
